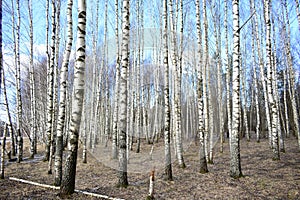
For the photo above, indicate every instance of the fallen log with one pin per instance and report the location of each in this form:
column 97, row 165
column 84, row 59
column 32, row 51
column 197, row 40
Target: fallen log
column 57, row 188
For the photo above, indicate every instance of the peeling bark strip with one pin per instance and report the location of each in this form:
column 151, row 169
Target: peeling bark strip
column 57, row 188
column 235, row 162
column 63, row 94
column 68, row 181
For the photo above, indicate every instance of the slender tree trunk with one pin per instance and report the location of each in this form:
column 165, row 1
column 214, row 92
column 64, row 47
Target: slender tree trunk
column 262, row 74
column 235, row 162
column 217, row 30
column 167, row 135
column 298, row 12
column 106, row 89
column 291, row 74
column 138, row 80
column 63, row 93
column 228, row 69
column 117, row 85
column 83, row 131
column 10, row 127
column 32, row 86
column 18, row 80
column 68, row 181
column 205, row 58
column 285, row 97
column 55, row 89
column 255, row 90
column 177, row 90
column 50, row 86
column 275, row 88
column 94, row 78
column 3, row 152
column 123, row 182
column 203, row 162
column 1, row 54
column 243, row 73
column 275, row 144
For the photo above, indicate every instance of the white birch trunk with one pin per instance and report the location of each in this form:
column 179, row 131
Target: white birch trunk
column 94, row 79
column 291, row 74
column 235, row 162
column 262, row 75
column 123, row 182
column 286, row 111
column 202, row 159
column 68, row 181
column 117, row 85
column 50, row 87
column 204, row 79
column 32, row 86
column 18, row 88
column 63, row 94
column 270, row 71
column 167, row 135
column 227, row 66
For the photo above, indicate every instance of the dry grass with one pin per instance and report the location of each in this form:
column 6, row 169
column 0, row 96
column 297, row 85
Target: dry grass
column 263, row 177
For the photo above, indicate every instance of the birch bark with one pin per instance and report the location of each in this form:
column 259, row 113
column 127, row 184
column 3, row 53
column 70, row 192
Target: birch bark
column 68, row 180
column 167, row 138
column 203, row 162
column 63, row 95
column 123, row 182
column 235, row 162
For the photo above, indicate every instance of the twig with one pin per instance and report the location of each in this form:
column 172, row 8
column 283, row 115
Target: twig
column 246, row 22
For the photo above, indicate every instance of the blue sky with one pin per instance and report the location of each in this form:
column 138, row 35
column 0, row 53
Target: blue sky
column 151, row 19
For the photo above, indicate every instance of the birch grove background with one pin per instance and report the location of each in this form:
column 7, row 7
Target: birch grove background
column 135, row 83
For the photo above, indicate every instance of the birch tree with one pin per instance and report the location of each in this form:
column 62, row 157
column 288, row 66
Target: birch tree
column 177, row 89
column 117, row 85
column 291, row 73
column 235, row 162
column 63, row 93
column 3, row 152
column 227, row 66
column 18, row 88
column 123, row 182
column 50, row 85
column 274, row 116
column 255, row 90
column 167, row 138
column 68, row 180
column 32, row 86
column 203, row 162
column 262, row 71
column 8, row 115
column 92, row 131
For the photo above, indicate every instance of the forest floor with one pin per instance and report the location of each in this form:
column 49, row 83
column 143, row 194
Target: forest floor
column 263, row 177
